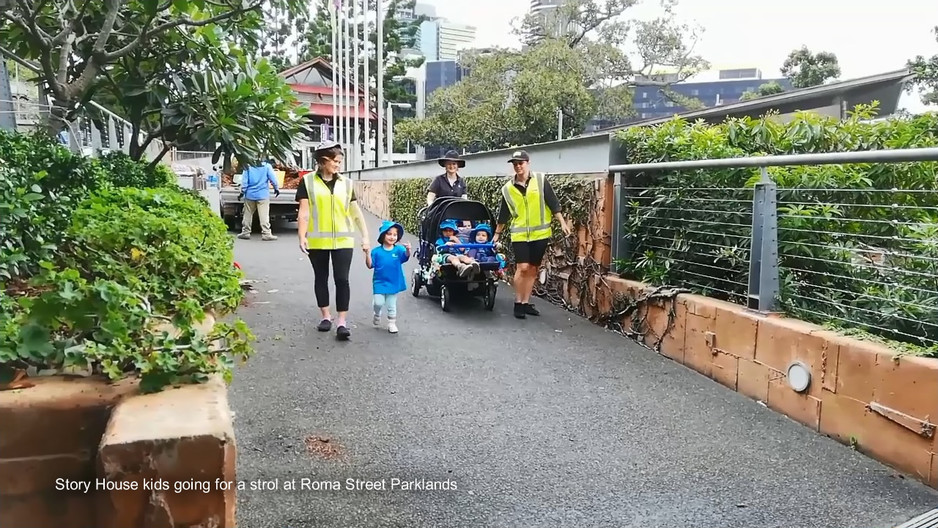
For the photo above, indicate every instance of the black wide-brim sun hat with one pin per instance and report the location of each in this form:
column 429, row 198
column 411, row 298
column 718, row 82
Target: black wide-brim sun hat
column 452, row 156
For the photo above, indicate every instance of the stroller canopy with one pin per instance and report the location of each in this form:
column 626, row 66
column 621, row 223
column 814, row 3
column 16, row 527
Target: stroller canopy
column 452, row 207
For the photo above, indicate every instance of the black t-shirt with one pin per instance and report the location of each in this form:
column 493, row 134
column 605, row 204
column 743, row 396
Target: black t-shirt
column 441, row 187
column 504, row 213
column 301, row 193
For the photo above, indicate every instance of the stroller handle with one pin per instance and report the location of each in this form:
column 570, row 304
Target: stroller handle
column 467, row 246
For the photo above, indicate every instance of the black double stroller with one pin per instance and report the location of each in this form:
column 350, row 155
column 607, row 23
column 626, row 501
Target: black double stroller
column 441, row 278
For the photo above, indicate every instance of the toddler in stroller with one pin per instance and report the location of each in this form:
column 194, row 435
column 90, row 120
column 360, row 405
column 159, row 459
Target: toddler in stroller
column 452, row 262
column 458, row 257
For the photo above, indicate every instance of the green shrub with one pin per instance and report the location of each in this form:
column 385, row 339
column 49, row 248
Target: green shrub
column 135, row 258
column 122, row 171
column 41, row 183
column 691, row 228
column 92, row 268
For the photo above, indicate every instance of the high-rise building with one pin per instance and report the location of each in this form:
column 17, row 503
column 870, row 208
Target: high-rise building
column 438, row 38
column 453, row 38
column 550, row 17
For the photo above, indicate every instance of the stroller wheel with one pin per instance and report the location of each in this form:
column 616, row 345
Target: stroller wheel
column 490, row 290
column 444, row 299
column 417, row 283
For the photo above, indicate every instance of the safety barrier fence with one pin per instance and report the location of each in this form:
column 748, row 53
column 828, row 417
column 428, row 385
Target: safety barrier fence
column 855, row 255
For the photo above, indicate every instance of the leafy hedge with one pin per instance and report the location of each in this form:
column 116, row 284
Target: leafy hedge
column 96, row 269
column 125, row 172
column 856, row 249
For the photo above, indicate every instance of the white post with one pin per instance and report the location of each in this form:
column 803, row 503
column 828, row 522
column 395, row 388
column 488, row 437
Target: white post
column 390, row 121
column 347, row 82
column 357, row 46
column 367, row 85
column 333, row 128
column 343, row 104
column 379, row 72
column 559, row 124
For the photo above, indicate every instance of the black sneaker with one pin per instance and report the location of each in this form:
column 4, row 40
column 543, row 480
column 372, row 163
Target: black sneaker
column 342, row 333
column 519, row 310
column 324, row 326
column 531, row 310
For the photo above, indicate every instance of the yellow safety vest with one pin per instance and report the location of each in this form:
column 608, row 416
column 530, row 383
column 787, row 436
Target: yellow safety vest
column 330, row 225
column 530, row 219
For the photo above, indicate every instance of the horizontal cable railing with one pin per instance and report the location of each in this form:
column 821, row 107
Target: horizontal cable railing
column 852, row 242
column 696, row 237
column 867, row 259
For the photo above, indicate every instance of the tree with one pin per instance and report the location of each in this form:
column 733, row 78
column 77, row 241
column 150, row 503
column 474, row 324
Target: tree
column 150, row 83
column 604, row 56
column 75, row 43
column 508, row 98
column 281, row 32
column 805, row 69
column 926, row 75
column 765, row 89
column 248, row 111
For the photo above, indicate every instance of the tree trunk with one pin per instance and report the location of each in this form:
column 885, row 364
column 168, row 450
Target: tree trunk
column 157, row 159
column 57, row 119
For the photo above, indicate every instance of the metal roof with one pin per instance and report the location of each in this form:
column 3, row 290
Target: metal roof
column 773, row 101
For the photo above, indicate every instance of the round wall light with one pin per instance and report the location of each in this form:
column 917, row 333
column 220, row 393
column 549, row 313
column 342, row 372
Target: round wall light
column 799, row 376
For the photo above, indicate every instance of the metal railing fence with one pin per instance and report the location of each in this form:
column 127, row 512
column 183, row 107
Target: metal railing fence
column 851, row 239
column 88, row 134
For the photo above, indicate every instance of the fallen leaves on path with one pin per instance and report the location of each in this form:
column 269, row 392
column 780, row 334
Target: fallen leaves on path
column 323, row 447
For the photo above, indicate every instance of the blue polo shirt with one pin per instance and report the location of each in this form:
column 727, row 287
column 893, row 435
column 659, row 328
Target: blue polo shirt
column 256, row 181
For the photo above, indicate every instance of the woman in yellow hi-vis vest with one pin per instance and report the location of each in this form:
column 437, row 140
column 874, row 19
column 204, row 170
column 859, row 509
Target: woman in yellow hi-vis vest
column 528, row 203
column 328, row 209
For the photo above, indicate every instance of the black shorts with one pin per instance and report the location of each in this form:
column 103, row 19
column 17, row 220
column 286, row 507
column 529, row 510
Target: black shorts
column 530, row 252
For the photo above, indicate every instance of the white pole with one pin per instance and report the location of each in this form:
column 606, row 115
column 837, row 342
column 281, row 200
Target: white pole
column 559, row 124
column 350, row 142
column 342, row 93
column 379, row 72
column 390, row 121
column 332, row 63
column 367, row 85
column 357, row 46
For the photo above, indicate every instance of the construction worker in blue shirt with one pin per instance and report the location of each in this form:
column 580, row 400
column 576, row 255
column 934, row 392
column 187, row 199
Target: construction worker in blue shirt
column 255, row 186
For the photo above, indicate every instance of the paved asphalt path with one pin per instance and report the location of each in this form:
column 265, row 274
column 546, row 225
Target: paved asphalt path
column 548, row 422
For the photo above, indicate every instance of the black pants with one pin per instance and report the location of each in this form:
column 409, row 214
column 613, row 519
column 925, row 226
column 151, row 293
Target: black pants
column 341, row 262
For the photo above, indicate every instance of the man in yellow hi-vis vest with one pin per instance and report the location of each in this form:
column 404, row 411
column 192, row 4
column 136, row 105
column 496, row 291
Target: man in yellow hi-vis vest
column 328, row 209
column 528, row 203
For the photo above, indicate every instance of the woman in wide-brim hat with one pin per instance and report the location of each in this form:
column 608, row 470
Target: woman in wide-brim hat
column 450, row 183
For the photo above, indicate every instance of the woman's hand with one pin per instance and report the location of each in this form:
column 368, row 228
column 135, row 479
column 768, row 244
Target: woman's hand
column 566, row 228
column 303, row 246
column 365, row 246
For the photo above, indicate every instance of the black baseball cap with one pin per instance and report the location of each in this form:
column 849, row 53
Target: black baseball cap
column 519, row 155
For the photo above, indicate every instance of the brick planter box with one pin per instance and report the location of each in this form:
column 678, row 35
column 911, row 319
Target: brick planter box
column 861, row 393
column 81, row 431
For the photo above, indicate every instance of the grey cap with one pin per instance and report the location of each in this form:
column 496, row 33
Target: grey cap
column 519, row 155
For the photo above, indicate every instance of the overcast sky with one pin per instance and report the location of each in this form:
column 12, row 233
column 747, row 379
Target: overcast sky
column 868, row 36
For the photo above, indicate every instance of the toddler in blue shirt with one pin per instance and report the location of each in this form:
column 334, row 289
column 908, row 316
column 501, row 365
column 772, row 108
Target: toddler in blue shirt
column 388, row 260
